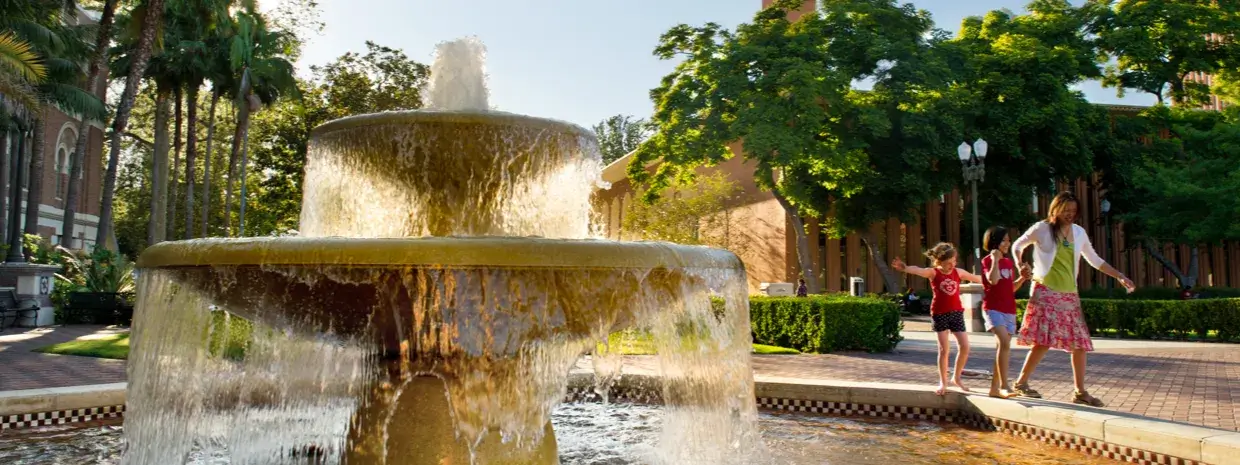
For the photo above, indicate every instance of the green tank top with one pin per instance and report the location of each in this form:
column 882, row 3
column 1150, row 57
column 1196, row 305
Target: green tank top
column 1062, row 275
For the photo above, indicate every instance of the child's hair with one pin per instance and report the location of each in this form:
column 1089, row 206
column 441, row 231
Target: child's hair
column 993, row 237
column 940, row 253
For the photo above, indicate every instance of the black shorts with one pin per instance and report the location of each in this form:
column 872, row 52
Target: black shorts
column 951, row 321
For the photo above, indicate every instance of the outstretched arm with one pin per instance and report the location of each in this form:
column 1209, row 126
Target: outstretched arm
column 967, row 276
column 1091, row 256
column 899, row 265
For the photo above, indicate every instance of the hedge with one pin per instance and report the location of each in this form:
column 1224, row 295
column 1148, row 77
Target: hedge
column 1161, row 319
column 826, row 323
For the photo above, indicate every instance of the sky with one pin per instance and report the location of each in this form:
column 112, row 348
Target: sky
column 579, row 61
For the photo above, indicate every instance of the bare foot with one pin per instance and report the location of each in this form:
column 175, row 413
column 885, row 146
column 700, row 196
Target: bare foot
column 941, row 390
column 960, row 385
column 1000, row 394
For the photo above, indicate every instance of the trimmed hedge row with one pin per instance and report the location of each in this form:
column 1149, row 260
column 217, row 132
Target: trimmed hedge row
column 826, row 323
column 1161, row 319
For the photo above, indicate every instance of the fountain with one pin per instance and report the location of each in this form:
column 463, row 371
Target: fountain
column 443, row 285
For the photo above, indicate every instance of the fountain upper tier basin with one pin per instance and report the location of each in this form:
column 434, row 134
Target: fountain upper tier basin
column 445, row 173
column 437, row 298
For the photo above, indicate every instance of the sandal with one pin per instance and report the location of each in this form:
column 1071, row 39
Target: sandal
column 1024, row 390
column 1084, row 398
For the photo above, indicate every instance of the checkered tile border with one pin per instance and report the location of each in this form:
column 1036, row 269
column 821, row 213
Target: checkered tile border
column 60, row 417
column 624, row 394
column 851, row 409
column 1072, row 442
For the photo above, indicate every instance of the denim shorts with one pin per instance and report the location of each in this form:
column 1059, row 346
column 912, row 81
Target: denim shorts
column 996, row 318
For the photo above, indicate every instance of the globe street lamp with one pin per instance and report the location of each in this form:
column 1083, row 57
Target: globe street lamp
column 974, row 172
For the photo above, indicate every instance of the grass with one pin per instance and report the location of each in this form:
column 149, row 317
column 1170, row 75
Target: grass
column 115, row 346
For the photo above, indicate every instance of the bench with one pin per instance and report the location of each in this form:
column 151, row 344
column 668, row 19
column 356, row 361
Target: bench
column 11, row 307
column 104, row 308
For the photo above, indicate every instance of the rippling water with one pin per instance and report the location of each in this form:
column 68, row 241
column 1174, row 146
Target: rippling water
column 625, row 434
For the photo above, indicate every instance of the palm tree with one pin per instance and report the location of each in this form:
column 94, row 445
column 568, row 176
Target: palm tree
column 260, row 56
column 152, row 19
column 95, row 82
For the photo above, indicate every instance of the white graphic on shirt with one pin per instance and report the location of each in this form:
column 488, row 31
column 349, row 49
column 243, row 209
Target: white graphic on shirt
column 949, row 286
column 1005, row 273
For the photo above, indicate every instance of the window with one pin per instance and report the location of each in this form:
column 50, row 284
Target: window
column 62, row 162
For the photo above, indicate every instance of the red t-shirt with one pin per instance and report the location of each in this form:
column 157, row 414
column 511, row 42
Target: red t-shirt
column 1000, row 295
column 946, row 288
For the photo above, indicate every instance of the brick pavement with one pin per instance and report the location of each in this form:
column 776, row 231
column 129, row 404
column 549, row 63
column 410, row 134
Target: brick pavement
column 1192, row 383
column 20, row 368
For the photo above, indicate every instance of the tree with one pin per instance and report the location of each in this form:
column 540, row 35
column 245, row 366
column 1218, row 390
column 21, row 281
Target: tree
column 1158, row 44
column 1014, row 76
column 784, row 89
column 152, row 19
column 93, row 84
column 696, row 214
column 1179, row 189
column 619, row 135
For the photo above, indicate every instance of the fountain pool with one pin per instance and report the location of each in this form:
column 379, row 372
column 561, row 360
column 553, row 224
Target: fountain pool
column 622, row 434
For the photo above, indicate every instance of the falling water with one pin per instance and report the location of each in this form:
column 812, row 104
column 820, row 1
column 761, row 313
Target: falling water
column 374, row 338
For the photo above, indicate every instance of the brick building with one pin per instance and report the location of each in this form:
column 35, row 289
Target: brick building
column 771, row 254
column 60, row 137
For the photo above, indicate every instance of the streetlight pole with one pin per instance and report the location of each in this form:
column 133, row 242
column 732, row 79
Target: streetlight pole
column 974, row 172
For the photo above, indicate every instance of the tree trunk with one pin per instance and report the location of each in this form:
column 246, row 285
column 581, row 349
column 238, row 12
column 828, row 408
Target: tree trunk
column 809, row 273
column 206, row 166
column 150, row 25
column 174, row 175
column 34, row 186
column 157, row 224
column 1185, row 281
column 191, row 155
column 78, row 162
column 876, row 255
column 13, row 147
column 239, row 135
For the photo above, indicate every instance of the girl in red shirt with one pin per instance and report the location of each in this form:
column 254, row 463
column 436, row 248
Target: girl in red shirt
column 945, row 309
column 1000, row 281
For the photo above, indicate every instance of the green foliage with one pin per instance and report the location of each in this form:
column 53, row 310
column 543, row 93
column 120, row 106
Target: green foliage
column 1157, row 293
column 1161, row 319
column 619, row 135
column 1179, row 189
column 101, row 271
column 695, row 214
column 826, row 323
column 40, row 251
column 228, row 336
column 1159, row 43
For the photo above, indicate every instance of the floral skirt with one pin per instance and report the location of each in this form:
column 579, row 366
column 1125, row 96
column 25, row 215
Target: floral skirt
column 1055, row 319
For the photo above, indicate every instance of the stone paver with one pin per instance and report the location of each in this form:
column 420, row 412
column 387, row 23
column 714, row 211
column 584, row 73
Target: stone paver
column 1187, row 382
column 21, row 368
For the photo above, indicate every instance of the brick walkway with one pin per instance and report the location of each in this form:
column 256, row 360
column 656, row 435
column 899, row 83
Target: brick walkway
column 20, row 368
column 1186, row 382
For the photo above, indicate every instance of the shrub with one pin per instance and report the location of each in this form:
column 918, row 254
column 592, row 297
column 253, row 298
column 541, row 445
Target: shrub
column 826, row 323
column 1161, row 319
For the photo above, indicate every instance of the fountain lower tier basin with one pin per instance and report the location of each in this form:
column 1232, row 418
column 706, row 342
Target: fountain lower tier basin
column 440, row 298
column 444, row 173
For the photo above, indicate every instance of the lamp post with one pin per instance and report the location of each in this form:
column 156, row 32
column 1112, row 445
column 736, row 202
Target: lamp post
column 1106, row 238
column 974, row 172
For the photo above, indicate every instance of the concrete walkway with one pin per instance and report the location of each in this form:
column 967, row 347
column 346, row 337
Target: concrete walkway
column 1186, row 382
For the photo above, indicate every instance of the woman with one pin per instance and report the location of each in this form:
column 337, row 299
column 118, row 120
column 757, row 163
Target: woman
column 1053, row 318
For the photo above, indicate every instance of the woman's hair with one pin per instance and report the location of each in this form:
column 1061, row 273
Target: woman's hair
column 941, row 252
column 993, row 237
column 1060, row 202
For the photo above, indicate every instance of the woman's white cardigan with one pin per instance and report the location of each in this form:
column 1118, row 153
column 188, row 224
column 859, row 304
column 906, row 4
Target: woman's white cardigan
column 1042, row 238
